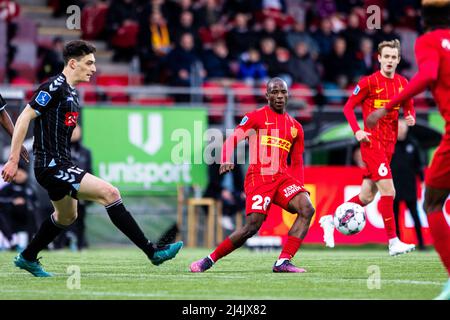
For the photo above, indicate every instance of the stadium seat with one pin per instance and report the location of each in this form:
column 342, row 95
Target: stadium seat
column 89, row 93
column 93, row 20
column 154, row 101
column 244, row 97
column 117, row 81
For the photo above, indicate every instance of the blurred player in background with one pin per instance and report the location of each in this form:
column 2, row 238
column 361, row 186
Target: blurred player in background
column 55, row 106
column 273, row 135
column 432, row 51
column 7, row 124
column 378, row 143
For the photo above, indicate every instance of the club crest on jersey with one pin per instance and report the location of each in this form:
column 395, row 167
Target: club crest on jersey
column 294, row 132
column 43, row 98
column 356, row 91
column 243, row 121
column 71, row 119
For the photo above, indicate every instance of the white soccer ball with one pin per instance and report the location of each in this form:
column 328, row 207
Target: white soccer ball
column 349, row 218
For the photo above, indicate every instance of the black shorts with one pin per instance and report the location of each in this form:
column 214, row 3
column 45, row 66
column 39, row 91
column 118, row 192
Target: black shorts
column 60, row 180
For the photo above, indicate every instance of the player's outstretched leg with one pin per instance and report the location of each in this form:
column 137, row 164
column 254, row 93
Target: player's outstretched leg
column 440, row 232
column 231, row 243
column 65, row 214
column 100, row 191
column 301, row 204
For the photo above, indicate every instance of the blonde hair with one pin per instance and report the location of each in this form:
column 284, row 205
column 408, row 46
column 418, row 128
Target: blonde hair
column 394, row 44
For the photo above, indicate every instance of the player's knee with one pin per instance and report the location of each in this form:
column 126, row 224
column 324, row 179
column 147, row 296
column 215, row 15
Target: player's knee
column 307, row 210
column 65, row 219
column 111, row 194
column 250, row 230
column 367, row 197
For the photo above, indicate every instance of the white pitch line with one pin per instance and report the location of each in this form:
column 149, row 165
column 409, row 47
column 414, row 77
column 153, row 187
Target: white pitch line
column 89, row 293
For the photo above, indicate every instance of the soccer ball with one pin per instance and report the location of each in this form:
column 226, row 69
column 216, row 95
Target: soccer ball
column 349, row 218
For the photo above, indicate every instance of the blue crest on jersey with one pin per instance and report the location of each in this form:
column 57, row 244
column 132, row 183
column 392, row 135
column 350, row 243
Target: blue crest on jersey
column 243, row 121
column 357, row 88
column 43, row 98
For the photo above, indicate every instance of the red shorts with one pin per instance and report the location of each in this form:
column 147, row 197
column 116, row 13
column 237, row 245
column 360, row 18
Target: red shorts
column 280, row 191
column 438, row 174
column 378, row 163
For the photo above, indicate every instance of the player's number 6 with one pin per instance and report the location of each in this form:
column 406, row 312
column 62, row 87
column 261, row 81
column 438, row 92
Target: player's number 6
column 382, row 170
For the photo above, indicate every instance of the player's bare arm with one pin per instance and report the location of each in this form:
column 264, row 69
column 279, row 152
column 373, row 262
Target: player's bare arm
column 373, row 118
column 23, row 122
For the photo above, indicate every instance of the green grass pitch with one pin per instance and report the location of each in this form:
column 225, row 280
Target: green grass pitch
column 124, row 273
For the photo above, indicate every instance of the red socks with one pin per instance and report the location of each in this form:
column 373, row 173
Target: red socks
column 440, row 232
column 290, row 248
column 222, row 250
column 387, row 211
column 356, row 200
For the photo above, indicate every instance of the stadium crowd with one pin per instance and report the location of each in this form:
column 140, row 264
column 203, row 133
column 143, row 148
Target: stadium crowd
column 315, row 43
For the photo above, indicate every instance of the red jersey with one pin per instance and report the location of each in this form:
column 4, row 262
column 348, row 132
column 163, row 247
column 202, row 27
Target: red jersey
column 272, row 137
column 374, row 92
column 433, row 49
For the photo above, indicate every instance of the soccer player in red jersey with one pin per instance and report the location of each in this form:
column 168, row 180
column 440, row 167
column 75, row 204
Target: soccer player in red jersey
column 378, row 143
column 273, row 135
column 432, row 51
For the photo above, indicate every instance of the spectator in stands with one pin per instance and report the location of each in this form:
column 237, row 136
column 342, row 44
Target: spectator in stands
column 251, row 68
column 270, row 30
column 232, row 8
column 186, row 25
column 209, row 13
column 52, row 60
column 386, row 33
column 267, row 48
column 217, row 63
column 154, row 43
column 282, row 66
column 184, row 64
column 324, row 37
column 240, row 38
column 338, row 65
column 365, row 62
column 212, row 33
column 304, row 68
column 122, row 26
column 353, row 33
column 298, row 34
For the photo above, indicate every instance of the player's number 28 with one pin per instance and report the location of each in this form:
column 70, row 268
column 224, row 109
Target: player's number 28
column 258, row 200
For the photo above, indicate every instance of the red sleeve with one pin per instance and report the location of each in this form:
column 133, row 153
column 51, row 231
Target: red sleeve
column 427, row 56
column 296, row 167
column 243, row 130
column 359, row 94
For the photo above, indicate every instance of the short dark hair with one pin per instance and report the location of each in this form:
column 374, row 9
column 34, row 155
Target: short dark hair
column 77, row 49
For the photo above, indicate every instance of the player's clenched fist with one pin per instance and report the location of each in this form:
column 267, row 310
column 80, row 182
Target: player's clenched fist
column 9, row 171
column 225, row 167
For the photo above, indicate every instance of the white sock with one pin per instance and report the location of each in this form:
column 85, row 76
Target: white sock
column 393, row 240
column 280, row 262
